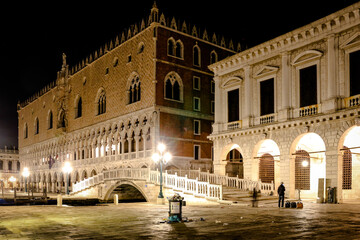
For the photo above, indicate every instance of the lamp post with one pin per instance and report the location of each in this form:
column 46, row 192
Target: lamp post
column 67, row 170
column 25, row 174
column 162, row 157
column 12, row 179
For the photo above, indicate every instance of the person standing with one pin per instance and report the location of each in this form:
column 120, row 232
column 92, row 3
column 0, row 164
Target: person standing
column 281, row 193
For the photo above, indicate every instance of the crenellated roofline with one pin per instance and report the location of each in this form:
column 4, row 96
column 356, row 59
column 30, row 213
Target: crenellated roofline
column 336, row 22
column 154, row 19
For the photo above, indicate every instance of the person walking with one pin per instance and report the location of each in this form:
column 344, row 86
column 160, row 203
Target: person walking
column 281, row 193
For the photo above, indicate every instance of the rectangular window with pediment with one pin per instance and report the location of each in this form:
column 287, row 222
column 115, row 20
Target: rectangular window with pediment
column 267, row 97
column 354, row 58
column 233, row 105
column 308, row 86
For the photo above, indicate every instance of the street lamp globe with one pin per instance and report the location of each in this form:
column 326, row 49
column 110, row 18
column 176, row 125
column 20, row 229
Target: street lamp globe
column 305, row 163
column 156, row 157
column 26, row 172
column 67, row 168
column 12, row 179
column 161, row 147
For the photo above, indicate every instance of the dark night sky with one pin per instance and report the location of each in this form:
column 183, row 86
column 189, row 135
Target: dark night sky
column 34, row 35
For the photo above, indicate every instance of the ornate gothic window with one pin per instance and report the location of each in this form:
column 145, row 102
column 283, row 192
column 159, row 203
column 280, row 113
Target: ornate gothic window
column 175, row 49
column 101, row 102
column 134, row 91
column 196, row 56
column 173, row 87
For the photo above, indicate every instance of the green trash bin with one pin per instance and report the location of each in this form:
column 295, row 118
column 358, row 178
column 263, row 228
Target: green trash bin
column 175, row 208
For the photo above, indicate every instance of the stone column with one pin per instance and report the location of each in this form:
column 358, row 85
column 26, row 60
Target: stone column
column 284, row 112
column 129, row 143
column 330, row 104
column 248, row 99
column 144, row 143
column 219, row 108
column 137, row 145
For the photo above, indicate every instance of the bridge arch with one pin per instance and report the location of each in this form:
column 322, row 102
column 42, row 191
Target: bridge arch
column 126, row 185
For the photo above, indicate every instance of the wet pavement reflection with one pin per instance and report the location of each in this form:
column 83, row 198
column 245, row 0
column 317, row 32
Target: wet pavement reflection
column 142, row 221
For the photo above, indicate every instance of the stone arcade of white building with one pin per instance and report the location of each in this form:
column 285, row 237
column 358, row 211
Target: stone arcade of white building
column 288, row 110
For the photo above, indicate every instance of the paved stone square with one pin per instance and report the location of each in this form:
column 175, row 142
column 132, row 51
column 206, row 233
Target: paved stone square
column 142, row 221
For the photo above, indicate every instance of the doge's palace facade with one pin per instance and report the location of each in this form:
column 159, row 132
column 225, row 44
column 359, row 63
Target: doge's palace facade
column 288, row 110
column 150, row 84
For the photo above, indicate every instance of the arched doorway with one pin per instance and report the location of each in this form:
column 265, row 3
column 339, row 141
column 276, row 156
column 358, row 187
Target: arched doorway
column 266, row 162
column 349, row 165
column 308, row 167
column 234, row 164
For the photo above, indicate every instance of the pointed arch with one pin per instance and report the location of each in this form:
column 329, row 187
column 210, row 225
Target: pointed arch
column 171, row 47
column 134, row 88
column 100, row 101
column 36, row 126
column 196, row 56
column 78, row 106
column 213, row 57
column 50, row 119
column 26, row 130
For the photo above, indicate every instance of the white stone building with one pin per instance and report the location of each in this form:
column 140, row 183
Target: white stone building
column 288, row 110
column 9, row 167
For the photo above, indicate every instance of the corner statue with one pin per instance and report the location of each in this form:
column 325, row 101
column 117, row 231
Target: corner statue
column 281, row 193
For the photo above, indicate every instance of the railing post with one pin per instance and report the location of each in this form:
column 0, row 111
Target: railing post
column 221, row 193
column 186, row 178
column 176, row 179
column 208, row 176
column 197, row 186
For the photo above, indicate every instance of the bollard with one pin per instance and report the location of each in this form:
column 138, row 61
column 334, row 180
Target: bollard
column 59, row 200
column 116, row 199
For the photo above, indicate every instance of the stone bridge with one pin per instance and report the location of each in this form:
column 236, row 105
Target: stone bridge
column 143, row 184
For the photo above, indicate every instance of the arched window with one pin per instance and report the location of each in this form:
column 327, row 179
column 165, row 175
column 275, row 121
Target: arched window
column 25, row 130
column 173, row 87
column 179, row 49
column 196, row 56
column 36, row 127
column 101, row 102
column 50, row 120
column 10, row 165
column 134, row 91
column 78, row 108
column 171, row 46
column 1, row 165
column 213, row 57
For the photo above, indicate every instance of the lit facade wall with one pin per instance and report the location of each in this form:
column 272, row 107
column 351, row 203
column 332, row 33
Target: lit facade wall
column 128, row 74
column 314, row 90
